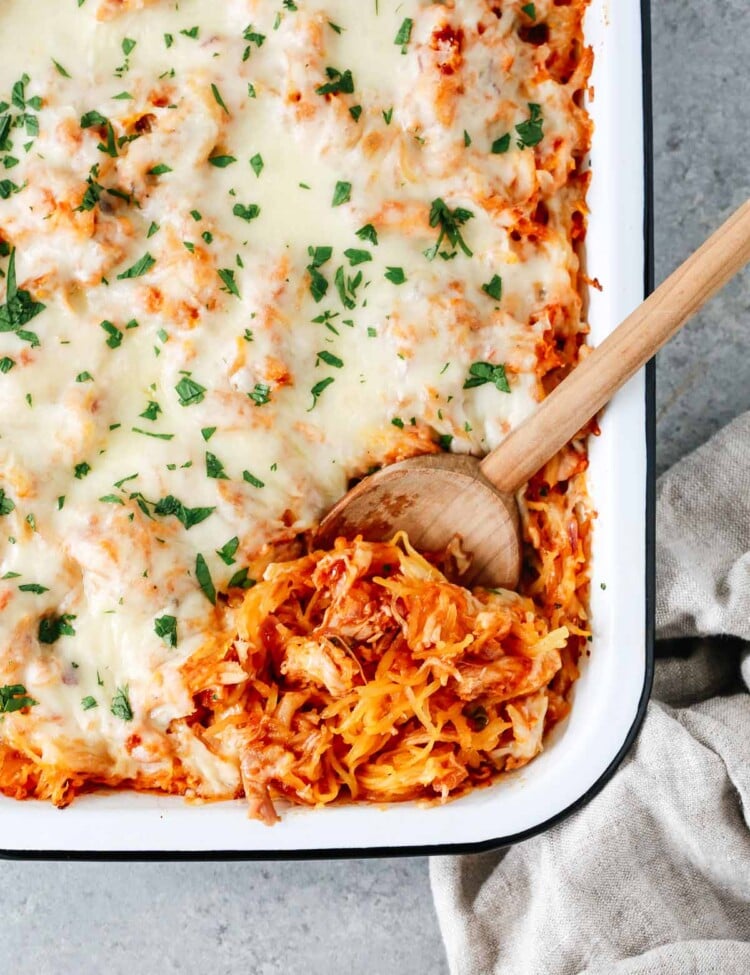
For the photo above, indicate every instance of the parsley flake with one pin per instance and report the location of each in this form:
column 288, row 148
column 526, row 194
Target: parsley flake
column 227, row 552
column 530, row 132
column 404, row 34
column 141, row 267
column 318, row 389
column 501, row 145
column 115, row 335
column 190, row 392
column 368, row 233
column 252, row 479
column 260, row 394
column 14, row 697
column 215, row 468
column 120, row 706
column 219, row 100
column 342, row 193
column 230, row 285
column 248, row 213
column 485, row 372
column 166, row 628
column 221, row 162
column 51, row 628
column 203, row 575
column 494, row 288
column 337, row 83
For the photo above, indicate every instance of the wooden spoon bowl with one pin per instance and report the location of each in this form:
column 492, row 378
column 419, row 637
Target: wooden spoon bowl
column 394, row 499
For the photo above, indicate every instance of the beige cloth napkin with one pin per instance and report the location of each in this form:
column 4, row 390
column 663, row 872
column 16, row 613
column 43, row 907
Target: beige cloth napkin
column 653, row 876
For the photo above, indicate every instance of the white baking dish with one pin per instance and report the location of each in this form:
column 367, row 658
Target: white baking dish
column 611, row 695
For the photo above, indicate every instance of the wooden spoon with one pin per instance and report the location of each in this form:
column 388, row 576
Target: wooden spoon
column 438, row 496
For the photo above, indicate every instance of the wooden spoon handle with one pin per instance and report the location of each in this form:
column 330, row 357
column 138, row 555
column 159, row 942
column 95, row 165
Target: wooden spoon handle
column 608, row 367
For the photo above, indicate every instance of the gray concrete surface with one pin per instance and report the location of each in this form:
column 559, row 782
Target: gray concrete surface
column 376, row 917
column 701, row 51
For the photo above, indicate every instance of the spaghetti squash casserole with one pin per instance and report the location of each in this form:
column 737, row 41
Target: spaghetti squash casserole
column 249, row 251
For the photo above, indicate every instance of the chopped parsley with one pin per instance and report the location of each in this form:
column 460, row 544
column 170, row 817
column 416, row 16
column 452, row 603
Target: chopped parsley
column 60, row 69
column 230, row 285
column 342, row 193
column 228, row 551
column 330, row 359
column 215, row 468
column 51, row 628
column 357, row 256
column 249, row 212
column 404, row 34
column 530, row 10
column 530, row 132
column 221, row 162
column 257, row 163
column 34, row 587
column 260, row 394
column 203, row 575
column 19, row 307
column 188, row 517
column 318, row 283
column 6, row 504
column 253, row 38
column 81, row 470
column 494, row 288
column 347, row 287
column 88, row 702
column 159, row 169
column 485, row 372
column 318, row 390
column 115, row 335
column 120, row 706
column 252, row 479
column 189, row 391
column 395, row 274
column 219, row 100
column 337, row 83
column 240, row 580
column 368, row 233
column 6, row 364
column 141, row 267
column 501, row 145
column 152, row 411
column 14, row 697
column 450, row 222
column 191, row 32
column 207, row 433
column 166, row 628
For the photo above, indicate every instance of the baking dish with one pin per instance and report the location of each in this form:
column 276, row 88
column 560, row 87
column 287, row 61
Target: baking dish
column 611, row 695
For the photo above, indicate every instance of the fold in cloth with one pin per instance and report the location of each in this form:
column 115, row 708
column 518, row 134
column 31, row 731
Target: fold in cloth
column 653, row 875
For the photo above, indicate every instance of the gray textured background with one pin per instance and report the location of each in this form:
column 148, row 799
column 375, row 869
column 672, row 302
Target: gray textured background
column 376, row 917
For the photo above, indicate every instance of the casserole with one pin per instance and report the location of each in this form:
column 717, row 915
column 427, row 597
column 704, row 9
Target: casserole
column 612, row 690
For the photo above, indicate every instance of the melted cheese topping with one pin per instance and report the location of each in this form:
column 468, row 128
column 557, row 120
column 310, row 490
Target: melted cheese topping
column 230, row 213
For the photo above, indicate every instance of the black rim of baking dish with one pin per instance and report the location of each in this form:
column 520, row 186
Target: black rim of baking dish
column 452, row 849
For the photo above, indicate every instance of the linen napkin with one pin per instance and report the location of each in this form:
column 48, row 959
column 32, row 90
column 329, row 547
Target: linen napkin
column 653, row 876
